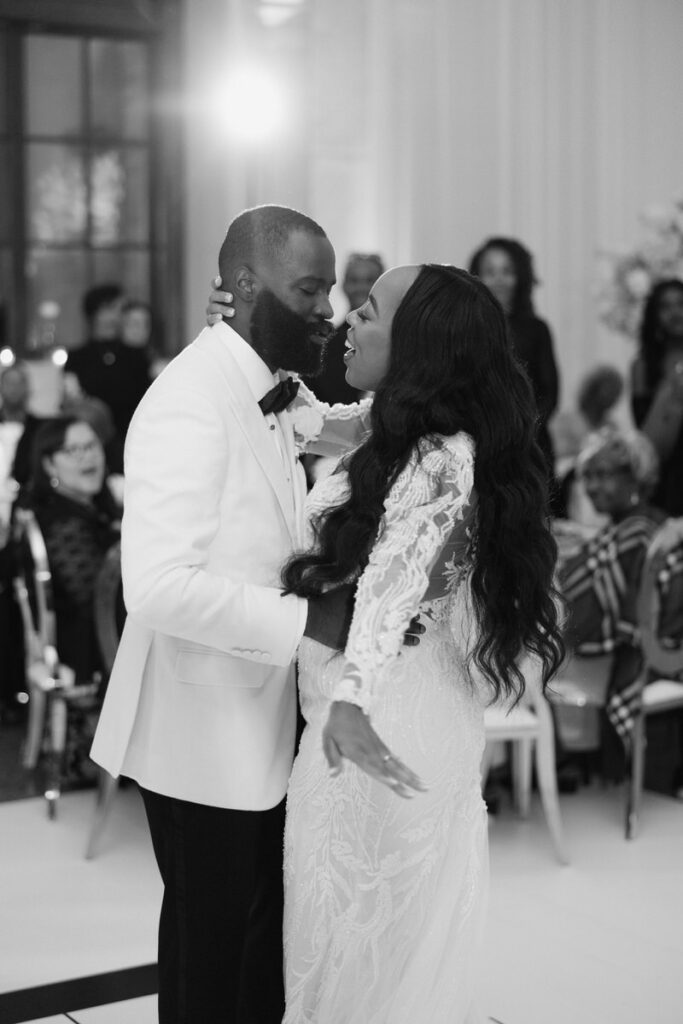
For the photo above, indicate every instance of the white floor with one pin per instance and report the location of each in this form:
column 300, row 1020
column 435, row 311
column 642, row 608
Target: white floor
column 598, row 942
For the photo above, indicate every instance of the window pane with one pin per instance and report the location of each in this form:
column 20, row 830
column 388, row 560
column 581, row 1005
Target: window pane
column 119, row 196
column 5, row 293
column 3, row 81
column 129, row 268
column 56, row 282
column 56, row 193
column 5, row 204
column 53, row 86
column 118, row 83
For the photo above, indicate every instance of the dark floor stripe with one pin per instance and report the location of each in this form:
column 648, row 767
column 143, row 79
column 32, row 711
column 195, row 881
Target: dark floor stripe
column 78, row 994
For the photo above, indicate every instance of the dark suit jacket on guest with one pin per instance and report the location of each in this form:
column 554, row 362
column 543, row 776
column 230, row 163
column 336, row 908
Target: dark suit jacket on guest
column 113, row 372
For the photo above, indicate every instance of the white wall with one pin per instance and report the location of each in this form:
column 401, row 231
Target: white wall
column 426, row 125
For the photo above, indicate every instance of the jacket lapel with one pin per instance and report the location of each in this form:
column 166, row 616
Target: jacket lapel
column 255, row 429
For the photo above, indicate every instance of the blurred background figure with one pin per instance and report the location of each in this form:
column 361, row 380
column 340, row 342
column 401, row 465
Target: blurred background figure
column 80, row 520
column 17, row 424
column 506, row 268
column 104, row 367
column 599, row 577
column 17, row 431
column 138, row 331
column 657, row 388
column 361, row 272
column 598, row 395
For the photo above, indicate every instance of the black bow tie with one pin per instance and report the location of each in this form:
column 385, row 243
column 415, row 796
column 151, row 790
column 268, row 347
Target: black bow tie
column 279, row 397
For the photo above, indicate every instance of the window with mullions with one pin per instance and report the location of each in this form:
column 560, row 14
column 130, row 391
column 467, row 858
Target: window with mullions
column 86, row 156
column 5, row 203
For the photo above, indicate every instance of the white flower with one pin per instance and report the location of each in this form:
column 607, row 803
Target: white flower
column 632, row 274
column 308, row 424
column 638, row 282
column 657, row 217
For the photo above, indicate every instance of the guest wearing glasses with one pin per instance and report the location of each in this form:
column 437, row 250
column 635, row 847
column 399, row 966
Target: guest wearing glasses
column 80, row 520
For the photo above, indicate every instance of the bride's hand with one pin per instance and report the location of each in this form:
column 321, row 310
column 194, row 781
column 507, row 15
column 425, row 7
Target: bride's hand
column 348, row 733
column 219, row 304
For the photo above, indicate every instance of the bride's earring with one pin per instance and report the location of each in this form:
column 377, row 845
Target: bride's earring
column 634, row 498
column 54, row 482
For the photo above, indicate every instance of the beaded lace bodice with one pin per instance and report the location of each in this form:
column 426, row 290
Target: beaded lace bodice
column 384, row 897
column 418, row 562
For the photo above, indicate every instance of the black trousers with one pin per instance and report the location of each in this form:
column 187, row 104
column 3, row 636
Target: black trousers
column 220, row 931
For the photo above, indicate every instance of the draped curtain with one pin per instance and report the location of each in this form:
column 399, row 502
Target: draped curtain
column 431, row 124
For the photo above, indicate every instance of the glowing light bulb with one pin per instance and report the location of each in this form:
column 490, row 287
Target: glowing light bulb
column 7, row 357
column 250, row 105
column 59, row 356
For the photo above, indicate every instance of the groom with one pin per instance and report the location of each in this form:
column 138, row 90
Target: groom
column 200, row 709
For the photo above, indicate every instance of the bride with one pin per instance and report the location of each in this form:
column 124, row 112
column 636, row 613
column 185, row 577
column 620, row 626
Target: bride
column 441, row 510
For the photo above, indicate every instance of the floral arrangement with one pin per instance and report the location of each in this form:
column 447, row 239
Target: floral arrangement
column 630, row 276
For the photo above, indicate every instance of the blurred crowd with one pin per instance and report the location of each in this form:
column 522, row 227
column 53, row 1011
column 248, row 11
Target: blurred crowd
column 615, row 487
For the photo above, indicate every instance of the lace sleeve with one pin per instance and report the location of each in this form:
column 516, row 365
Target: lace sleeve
column 330, row 430
column 425, row 509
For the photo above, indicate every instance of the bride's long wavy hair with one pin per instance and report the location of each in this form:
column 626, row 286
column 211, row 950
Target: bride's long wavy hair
column 452, row 368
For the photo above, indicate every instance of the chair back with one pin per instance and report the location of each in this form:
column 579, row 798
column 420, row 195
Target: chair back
column 109, row 608
column 33, row 585
column 659, row 656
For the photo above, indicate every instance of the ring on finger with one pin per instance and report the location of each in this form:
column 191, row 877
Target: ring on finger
column 387, row 757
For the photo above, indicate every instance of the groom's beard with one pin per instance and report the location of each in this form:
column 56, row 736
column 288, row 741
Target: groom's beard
column 284, row 339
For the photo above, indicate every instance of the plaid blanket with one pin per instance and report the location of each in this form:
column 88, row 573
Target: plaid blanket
column 600, row 585
column 670, row 588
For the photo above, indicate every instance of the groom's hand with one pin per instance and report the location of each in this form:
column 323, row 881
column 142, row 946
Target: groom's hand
column 348, row 733
column 330, row 614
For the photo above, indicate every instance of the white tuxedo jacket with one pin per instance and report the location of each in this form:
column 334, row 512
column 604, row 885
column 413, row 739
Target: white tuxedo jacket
column 201, row 701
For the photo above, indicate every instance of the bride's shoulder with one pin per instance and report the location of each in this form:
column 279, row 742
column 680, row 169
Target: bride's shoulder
column 439, row 452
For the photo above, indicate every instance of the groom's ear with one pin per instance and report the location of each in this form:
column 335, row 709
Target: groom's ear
column 246, row 284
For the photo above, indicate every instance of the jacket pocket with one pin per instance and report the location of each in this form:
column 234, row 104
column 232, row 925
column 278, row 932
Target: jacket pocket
column 214, row 668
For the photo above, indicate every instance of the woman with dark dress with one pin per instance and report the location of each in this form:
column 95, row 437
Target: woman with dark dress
column 657, row 388
column 79, row 520
column 506, row 268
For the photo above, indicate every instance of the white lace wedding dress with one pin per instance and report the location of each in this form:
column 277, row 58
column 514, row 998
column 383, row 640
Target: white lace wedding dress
column 384, row 897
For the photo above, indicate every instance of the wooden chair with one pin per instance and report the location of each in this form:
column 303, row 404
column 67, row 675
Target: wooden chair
column 109, row 618
column 577, row 697
column 664, row 694
column 529, row 728
column 52, row 686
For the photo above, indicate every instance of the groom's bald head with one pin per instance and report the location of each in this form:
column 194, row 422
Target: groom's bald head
column 261, row 235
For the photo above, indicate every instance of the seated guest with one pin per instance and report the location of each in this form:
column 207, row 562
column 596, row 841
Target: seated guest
column 600, row 580
column 104, row 367
column 17, row 430
column 598, row 394
column 98, row 415
column 80, row 520
column 669, row 540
